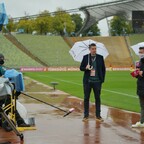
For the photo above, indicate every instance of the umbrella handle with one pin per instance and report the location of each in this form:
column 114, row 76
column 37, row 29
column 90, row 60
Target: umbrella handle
column 88, row 59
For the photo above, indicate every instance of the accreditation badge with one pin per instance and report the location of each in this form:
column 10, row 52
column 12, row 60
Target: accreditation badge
column 92, row 72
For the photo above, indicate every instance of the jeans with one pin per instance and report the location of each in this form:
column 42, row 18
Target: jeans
column 96, row 86
column 141, row 99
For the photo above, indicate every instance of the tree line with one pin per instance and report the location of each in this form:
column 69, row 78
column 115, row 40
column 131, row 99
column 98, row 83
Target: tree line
column 62, row 23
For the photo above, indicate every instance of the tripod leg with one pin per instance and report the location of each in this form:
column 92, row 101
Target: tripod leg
column 11, row 124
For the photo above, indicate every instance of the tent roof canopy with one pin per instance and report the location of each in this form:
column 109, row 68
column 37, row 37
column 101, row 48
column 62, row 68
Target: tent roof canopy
column 95, row 13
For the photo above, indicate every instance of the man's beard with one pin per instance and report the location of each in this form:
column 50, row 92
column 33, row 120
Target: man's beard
column 93, row 54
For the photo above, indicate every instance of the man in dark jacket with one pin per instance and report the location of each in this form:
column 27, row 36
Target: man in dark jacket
column 94, row 75
column 140, row 87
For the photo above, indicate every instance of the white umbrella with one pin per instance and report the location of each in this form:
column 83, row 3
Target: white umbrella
column 136, row 47
column 81, row 48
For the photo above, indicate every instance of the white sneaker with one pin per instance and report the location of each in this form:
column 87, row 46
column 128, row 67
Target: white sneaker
column 138, row 124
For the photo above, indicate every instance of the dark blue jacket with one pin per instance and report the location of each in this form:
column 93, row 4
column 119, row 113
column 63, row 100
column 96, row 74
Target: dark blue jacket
column 140, row 81
column 100, row 67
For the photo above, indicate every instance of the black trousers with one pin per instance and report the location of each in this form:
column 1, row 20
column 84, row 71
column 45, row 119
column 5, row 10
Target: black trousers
column 96, row 86
column 140, row 93
column 141, row 100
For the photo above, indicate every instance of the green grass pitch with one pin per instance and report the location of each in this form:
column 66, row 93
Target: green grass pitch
column 119, row 89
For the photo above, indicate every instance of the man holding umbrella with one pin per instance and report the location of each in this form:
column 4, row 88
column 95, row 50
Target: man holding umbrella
column 94, row 75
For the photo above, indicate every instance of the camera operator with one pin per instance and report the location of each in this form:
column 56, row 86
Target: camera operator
column 19, row 119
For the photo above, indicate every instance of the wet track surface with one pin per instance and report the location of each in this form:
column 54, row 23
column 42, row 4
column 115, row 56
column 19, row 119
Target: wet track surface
column 53, row 128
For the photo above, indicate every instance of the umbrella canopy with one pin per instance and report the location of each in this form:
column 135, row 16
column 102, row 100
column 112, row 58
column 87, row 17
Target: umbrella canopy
column 3, row 16
column 81, row 48
column 136, row 47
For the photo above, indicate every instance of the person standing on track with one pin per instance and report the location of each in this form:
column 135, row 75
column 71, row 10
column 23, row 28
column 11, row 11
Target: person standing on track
column 140, row 87
column 94, row 75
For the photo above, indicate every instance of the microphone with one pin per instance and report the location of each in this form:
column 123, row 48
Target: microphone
column 70, row 111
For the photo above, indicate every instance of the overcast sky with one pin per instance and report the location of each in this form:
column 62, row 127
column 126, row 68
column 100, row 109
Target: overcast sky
column 17, row 8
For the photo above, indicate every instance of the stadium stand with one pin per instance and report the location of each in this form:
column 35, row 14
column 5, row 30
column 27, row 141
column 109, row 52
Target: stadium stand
column 118, row 47
column 52, row 50
column 11, row 38
column 134, row 39
column 15, row 58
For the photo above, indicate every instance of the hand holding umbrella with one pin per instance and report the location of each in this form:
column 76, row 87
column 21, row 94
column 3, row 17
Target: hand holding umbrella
column 81, row 48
